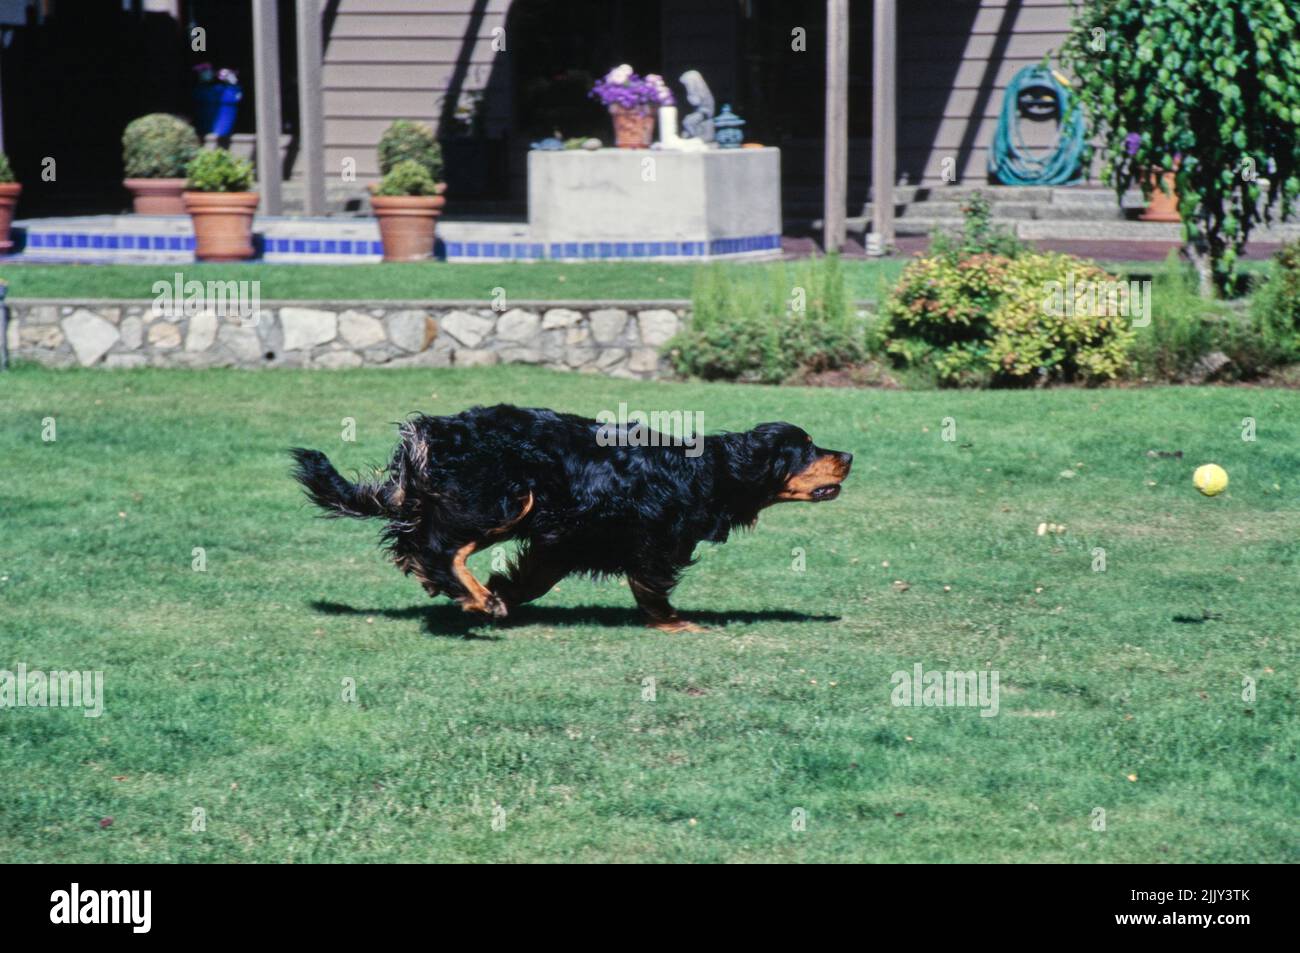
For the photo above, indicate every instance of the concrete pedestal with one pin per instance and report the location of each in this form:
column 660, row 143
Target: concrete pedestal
column 651, row 204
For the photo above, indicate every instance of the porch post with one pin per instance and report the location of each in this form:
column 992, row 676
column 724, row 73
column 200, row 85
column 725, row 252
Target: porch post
column 884, row 110
column 311, row 114
column 266, row 72
column 837, row 124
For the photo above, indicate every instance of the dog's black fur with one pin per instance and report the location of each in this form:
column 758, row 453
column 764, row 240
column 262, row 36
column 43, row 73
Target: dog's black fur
column 460, row 483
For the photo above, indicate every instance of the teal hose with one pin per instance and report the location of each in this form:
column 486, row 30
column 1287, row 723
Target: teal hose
column 1011, row 162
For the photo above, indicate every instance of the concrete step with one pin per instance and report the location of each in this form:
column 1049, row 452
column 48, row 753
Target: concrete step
column 1083, row 212
column 960, row 194
column 1004, row 212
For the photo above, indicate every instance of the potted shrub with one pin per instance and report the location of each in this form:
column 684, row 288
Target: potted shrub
column 220, row 200
column 409, row 198
column 156, row 151
column 9, row 190
column 632, row 101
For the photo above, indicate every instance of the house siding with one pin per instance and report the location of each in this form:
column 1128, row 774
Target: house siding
column 395, row 59
column 954, row 65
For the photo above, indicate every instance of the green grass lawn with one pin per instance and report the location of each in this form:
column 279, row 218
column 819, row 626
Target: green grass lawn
column 418, row 281
column 1120, row 690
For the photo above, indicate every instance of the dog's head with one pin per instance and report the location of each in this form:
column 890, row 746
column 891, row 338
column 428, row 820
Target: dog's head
column 782, row 461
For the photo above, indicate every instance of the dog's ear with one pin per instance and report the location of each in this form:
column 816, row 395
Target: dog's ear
column 769, row 454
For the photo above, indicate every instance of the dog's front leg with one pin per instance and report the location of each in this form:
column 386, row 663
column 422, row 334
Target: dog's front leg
column 658, row 611
column 534, row 573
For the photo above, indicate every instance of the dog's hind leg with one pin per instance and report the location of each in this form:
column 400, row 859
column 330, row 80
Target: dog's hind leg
column 659, row 613
column 454, row 578
column 410, row 557
column 412, row 566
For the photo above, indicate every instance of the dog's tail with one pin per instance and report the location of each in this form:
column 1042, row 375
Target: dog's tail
column 328, row 490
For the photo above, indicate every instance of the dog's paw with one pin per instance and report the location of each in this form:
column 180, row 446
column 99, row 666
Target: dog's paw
column 676, row 626
column 490, row 605
column 496, row 606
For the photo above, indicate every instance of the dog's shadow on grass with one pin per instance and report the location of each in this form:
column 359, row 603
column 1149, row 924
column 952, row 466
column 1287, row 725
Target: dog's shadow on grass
column 449, row 621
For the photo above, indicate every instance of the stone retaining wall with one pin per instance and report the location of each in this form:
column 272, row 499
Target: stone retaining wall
column 621, row 339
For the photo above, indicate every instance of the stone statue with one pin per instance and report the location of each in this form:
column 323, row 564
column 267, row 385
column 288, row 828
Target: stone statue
column 698, row 124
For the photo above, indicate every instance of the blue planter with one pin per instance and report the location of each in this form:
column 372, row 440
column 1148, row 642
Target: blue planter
column 216, row 106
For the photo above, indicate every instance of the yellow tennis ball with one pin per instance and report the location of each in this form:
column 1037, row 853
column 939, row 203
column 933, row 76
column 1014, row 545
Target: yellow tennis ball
column 1211, row 479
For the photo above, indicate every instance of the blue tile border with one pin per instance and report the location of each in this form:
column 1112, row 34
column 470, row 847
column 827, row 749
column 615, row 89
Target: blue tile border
column 464, row 250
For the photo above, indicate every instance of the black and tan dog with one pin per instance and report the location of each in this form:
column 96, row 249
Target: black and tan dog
column 460, row 483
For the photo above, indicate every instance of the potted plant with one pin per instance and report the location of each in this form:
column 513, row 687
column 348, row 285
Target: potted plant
column 156, row 150
column 216, row 99
column 220, row 200
column 9, row 191
column 1159, row 185
column 632, row 101
column 409, row 198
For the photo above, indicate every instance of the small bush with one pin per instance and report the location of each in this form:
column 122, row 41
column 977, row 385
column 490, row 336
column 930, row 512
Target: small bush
column 1275, row 308
column 158, row 146
column 978, row 235
column 408, row 177
column 1186, row 329
column 990, row 319
column 406, row 140
column 216, row 170
column 6, row 170
column 765, row 325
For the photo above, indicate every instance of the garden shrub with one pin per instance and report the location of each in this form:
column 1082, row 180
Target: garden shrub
column 1275, row 307
column 992, row 319
column 767, row 324
column 216, row 170
column 1187, row 331
column 158, row 146
column 408, row 177
column 407, row 140
column 978, row 235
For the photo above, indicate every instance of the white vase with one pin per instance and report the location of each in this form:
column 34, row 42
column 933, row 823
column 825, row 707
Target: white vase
column 668, row 127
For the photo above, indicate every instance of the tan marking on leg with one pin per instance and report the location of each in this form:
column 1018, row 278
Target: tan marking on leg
column 676, row 626
column 505, row 528
column 479, row 599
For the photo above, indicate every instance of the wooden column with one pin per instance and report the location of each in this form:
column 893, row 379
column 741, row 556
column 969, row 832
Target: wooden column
column 884, row 111
column 837, row 124
column 311, row 114
column 266, row 74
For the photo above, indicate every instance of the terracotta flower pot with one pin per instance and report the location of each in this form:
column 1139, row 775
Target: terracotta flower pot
column 1162, row 206
column 407, row 223
column 156, row 196
column 8, row 199
column 634, row 128
column 223, row 224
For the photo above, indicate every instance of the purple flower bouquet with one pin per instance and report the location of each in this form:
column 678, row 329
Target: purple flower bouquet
column 632, row 101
